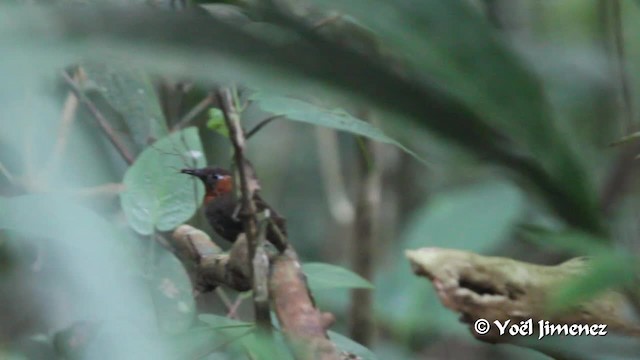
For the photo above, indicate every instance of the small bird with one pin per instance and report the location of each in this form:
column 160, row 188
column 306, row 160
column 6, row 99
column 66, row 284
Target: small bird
column 221, row 204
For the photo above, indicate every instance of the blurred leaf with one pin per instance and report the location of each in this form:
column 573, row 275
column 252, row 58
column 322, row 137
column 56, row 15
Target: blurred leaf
column 453, row 46
column 576, row 242
column 172, row 293
column 226, row 12
column 157, row 195
column 216, row 122
column 271, row 33
column 46, row 216
column 105, row 272
column 326, row 276
column 605, row 273
column 521, row 137
column 338, row 119
column 203, row 341
column 626, row 139
column 265, row 347
column 610, row 347
column 72, row 342
column 352, row 347
column 243, row 335
column 194, row 343
column 130, row 92
column 476, row 218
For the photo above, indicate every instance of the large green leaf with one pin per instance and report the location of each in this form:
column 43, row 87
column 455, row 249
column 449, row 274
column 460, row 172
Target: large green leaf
column 575, row 242
column 298, row 110
column 48, row 216
column 326, row 276
column 103, row 274
column 157, row 196
column 476, row 218
column 130, row 92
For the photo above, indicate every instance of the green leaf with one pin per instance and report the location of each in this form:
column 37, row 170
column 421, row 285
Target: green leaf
column 172, row 293
column 438, row 99
column 350, row 346
column 216, row 122
column 326, row 276
column 261, row 346
column 573, row 241
column 100, row 271
column 298, row 110
column 157, row 196
column 246, row 339
column 605, row 272
column 55, row 216
column 454, row 48
column 202, row 341
column 626, row 139
column 476, row 218
column 130, row 92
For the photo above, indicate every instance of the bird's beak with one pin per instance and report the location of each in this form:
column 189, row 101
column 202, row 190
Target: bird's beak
column 192, row 172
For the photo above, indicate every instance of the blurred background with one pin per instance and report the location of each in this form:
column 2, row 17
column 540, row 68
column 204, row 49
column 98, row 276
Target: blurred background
column 387, row 125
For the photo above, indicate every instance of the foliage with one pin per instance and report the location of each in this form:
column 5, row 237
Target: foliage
column 524, row 135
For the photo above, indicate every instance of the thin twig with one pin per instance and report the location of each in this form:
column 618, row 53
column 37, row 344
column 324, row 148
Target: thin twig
column 109, row 189
column 248, row 212
column 4, row 171
column 234, row 307
column 224, row 298
column 627, row 102
column 194, row 112
column 69, row 111
column 260, row 125
column 363, row 254
column 340, row 206
column 100, row 119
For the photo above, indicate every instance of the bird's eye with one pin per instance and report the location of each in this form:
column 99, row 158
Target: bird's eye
column 217, row 176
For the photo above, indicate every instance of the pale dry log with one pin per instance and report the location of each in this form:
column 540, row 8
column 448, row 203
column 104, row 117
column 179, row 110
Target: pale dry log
column 497, row 288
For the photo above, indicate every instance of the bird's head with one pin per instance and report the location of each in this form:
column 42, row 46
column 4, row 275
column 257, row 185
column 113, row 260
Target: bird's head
column 217, row 181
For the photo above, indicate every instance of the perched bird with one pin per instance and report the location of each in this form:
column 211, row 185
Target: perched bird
column 221, row 204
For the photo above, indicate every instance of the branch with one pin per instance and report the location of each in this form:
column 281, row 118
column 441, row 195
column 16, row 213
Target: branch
column 208, row 267
column 261, row 124
column 248, row 209
column 303, row 324
column 194, row 112
column 363, row 249
column 100, row 119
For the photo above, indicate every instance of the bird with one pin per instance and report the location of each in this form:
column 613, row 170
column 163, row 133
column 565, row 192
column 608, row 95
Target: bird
column 221, row 205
